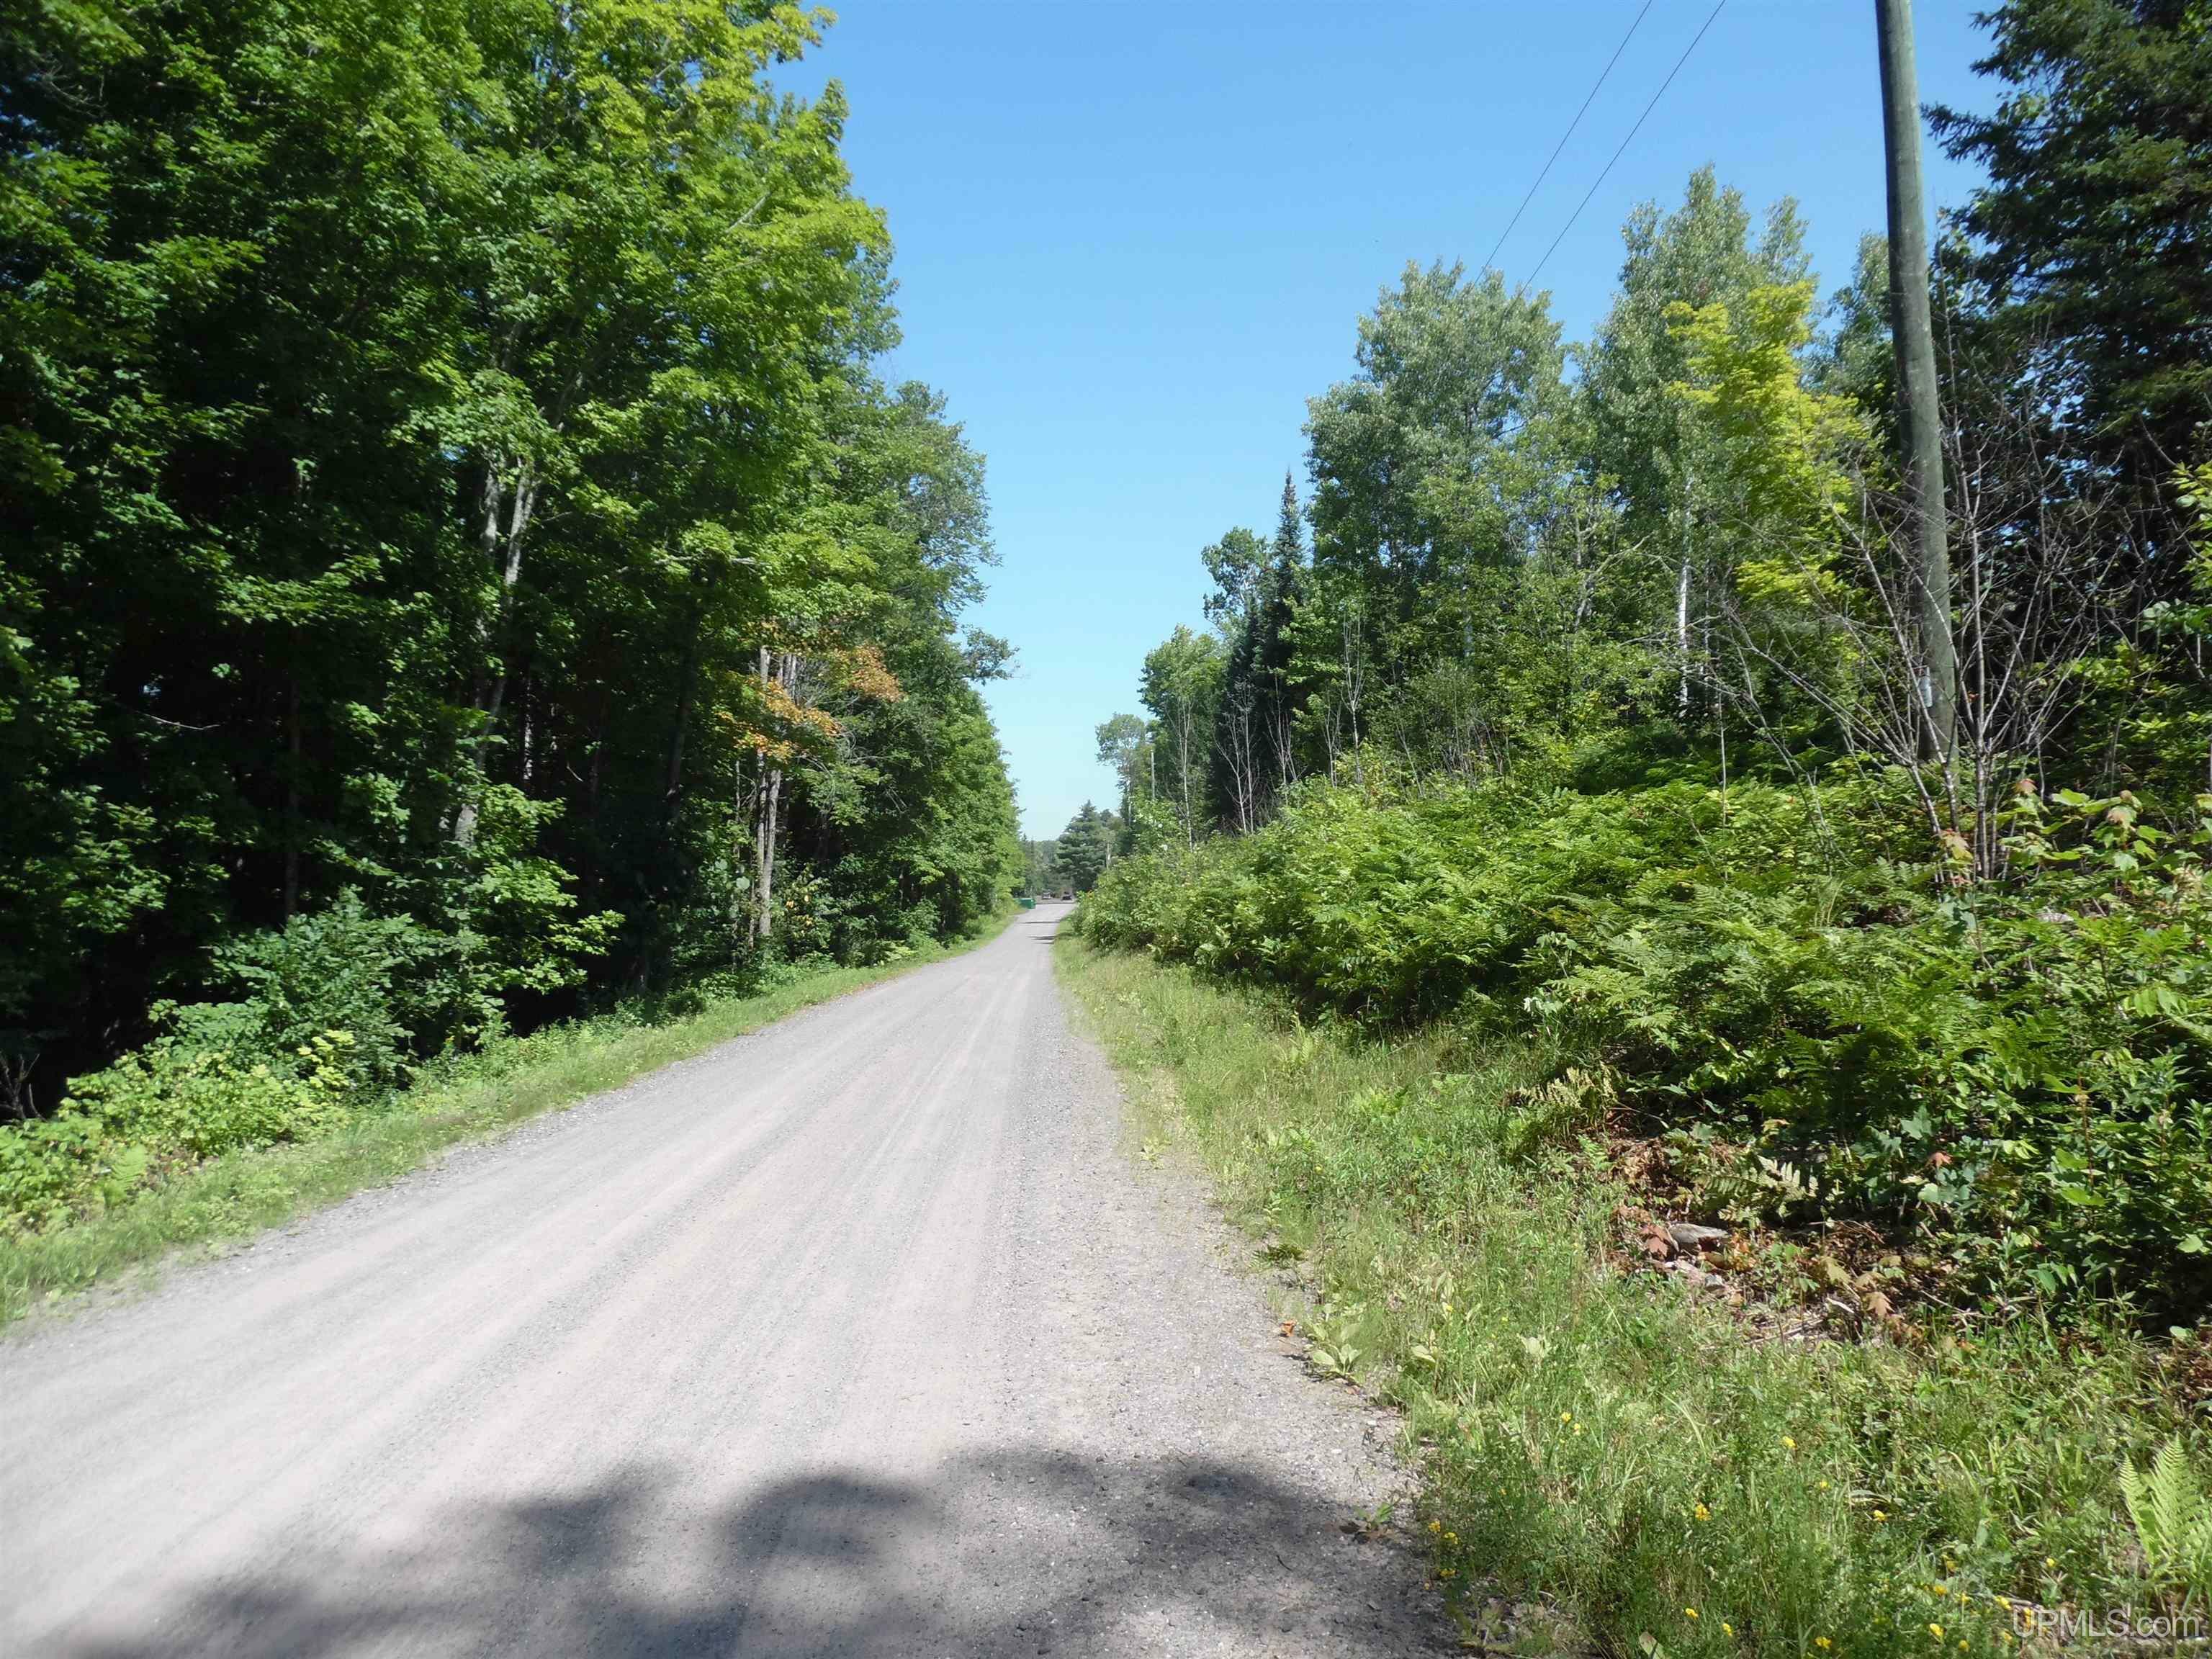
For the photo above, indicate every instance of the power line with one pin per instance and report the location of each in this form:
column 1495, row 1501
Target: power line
column 1568, row 134
column 1623, row 150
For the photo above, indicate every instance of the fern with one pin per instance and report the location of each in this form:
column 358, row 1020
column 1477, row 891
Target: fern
column 2173, row 1521
column 2020, row 1074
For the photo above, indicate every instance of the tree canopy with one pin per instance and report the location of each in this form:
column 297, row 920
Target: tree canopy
column 442, row 465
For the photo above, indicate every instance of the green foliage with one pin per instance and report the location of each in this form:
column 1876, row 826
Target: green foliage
column 1599, row 703
column 423, row 424
column 2090, row 234
column 1701, row 253
column 1434, row 467
column 2173, row 1520
column 1086, row 847
column 176, row 1100
column 1778, row 439
column 1183, row 688
column 2015, row 1076
column 1040, row 867
column 2018, row 1074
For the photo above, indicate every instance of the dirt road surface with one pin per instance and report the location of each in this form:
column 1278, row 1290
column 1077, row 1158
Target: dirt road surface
column 864, row 1335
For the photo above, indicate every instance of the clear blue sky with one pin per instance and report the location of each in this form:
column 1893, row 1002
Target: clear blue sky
column 1133, row 239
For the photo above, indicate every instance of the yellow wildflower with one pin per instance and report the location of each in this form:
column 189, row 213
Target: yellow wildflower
column 1789, row 1443
column 1691, row 1612
column 1703, row 1513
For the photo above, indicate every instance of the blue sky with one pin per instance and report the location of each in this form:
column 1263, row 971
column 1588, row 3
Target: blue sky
column 1133, row 239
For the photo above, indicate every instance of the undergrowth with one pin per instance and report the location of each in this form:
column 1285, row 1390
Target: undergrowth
column 1601, row 1442
column 2011, row 1077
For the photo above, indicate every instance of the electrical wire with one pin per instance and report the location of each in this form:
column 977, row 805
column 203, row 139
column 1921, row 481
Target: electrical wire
column 1568, row 134
column 1623, row 150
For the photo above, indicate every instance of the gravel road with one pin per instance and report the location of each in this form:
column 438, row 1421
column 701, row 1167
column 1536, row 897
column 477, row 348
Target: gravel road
column 864, row 1335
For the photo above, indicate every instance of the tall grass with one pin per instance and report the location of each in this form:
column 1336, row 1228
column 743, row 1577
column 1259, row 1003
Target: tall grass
column 1592, row 1440
column 467, row 1098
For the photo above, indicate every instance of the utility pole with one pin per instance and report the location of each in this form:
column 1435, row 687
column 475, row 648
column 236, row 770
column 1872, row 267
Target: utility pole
column 1915, row 342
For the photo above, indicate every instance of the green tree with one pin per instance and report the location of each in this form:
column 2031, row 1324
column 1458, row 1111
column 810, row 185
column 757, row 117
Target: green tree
column 1439, row 460
column 1182, row 688
column 1124, row 744
column 237, row 611
column 1086, row 847
column 2093, row 237
column 1039, row 866
column 440, row 466
column 1701, row 253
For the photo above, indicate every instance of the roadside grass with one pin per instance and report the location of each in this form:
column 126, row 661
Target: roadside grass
column 1594, row 1442
column 469, row 1098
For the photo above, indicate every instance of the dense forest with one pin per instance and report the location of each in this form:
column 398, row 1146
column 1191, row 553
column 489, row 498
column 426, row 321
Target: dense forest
column 1584, row 689
column 461, row 566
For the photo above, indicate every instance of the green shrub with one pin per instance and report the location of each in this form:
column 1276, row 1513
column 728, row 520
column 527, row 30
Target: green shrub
column 328, row 1027
column 2022, row 1072
column 170, row 1100
column 342, row 969
column 2018, row 1073
column 336, row 1010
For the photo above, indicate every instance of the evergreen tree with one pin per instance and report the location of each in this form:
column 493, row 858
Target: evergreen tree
column 2092, row 242
column 1272, row 668
column 1086, row 847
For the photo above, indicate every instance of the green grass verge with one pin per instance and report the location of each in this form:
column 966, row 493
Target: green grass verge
column 470, row 1098
column 1591, row 1441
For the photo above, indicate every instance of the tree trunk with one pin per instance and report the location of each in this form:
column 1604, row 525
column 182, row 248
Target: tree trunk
column 764, row 855
column 781, row 671
column 688, row 675
column 292, row 765
column 1682, row 614
column 1182, row 769
column 504, row 550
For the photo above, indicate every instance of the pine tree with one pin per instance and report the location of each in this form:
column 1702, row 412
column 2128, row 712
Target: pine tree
column 2093, row 239
column 1271, row 655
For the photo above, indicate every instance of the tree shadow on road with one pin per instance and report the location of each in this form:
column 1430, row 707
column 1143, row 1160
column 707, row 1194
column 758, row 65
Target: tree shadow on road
column 1020, row 1552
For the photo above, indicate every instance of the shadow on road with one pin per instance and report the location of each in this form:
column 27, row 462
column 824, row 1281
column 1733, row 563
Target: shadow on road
column 1020, row 1552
